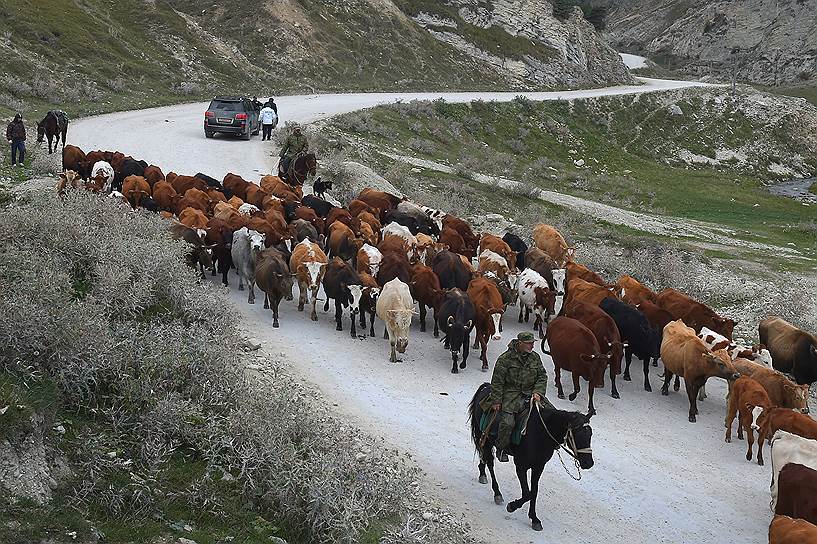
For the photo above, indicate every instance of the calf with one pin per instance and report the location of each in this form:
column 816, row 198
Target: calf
column 640, row 337
column 426, row 290
column 220, row 237
column 785, row 530
column 535, row 295
column 395, row 308
column 488, row 309
column 101, row 178
column 783, row 419
column 247, row 245
column 715, row 341
column 797, row 493
column 748, row 399
column 573, row 347
column 368, row 300
column 551, row 241
column 793, row 350
column 782, row 391
column 456, row 319
column 693, row 313
column 308, row 262
column 67, row 179
column 342, row 284
column 519, row 246
column 605, row 330
column 274, row 278
column 200, row 255
column 686, row 355
column 790, row 448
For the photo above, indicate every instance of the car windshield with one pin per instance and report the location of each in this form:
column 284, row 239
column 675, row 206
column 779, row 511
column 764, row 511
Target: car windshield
column 225, row 106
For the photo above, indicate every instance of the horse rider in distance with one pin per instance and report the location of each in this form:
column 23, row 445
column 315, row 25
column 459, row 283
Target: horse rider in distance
column 295, row 145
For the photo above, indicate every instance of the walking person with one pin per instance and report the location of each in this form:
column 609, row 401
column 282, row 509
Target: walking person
column 16, row 135
column 518, row 376
column 269, row 120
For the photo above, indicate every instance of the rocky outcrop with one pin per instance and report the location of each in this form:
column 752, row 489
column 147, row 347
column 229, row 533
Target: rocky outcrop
column 768, row 42
column 531, row 45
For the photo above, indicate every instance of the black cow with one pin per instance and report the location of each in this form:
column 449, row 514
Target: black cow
column 301, row 229
column 149, row 204
column 517, row 244
column 213, row 183
column 130, row 167
column 342, row 284
column 320, row 187
column 640, row 338
column 220, row 237
column 451, row 270
column 412, row 222
column 456, row 319
column 321, row 207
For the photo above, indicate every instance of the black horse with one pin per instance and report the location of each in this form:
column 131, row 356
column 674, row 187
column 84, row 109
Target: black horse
column 298, row 169
column 53, row 125
column 546, row 432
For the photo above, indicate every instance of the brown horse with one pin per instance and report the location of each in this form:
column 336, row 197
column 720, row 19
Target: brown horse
column 53, row 125
column 299, row 168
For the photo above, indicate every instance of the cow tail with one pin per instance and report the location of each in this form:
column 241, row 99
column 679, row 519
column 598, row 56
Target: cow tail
column 475, row 413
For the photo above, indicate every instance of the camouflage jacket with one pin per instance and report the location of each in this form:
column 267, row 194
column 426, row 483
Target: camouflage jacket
column 515, row 374
column 16, row 131
column 293, row 145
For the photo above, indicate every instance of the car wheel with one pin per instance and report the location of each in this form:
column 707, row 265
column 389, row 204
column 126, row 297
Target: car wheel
column 208, row 133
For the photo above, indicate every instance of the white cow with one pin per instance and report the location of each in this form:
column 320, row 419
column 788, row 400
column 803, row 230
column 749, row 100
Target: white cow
column 246, row 246
column 308, row 263
column 790, row 448
column 715, row 341
column 395, row 308
column 371, row 261
column 102, row 173
column 396, row 229
column 535, row 295
column 248, row 209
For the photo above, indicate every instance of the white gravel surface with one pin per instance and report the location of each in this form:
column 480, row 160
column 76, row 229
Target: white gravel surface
column 633, row 61
column 657, row 477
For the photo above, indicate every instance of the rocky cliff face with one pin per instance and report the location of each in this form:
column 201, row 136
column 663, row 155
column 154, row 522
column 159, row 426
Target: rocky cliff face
column 768, row 42
column 524, row 40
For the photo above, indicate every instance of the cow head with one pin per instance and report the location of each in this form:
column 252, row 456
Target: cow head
column 762, row 355
column 313, row 272
column 257, row 240
column 720, row 367
column 757, row 411
column 559, row 275
column 401, row 319
column 354, row 305
column 496, row 315
column 797, row 397
column 724, row 326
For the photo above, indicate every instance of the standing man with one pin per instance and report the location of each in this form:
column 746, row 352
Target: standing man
column 268, row 119
column 518, row 374
column 271, row 104
column 294, row 145
column 256, row 104
column 16, row 135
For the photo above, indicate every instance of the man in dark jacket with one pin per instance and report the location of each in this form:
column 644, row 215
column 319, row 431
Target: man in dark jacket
column 16, row 135
column 518, row 375
column 271, row 103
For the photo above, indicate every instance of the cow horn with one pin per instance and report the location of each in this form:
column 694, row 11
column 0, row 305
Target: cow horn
column 450, row 320
column 468, row 325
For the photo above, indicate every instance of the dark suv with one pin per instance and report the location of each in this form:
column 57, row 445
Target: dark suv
column 231, row 115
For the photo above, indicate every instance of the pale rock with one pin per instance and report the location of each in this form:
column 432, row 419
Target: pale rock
column 183, row 540
column 252, row 344
column 428, row 516
column 494, row 217
column 675, row 109
column 579, row 163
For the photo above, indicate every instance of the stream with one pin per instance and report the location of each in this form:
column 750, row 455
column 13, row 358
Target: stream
column 797, row 189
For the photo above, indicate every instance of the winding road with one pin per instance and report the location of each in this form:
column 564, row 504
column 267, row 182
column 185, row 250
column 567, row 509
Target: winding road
column 657, row 478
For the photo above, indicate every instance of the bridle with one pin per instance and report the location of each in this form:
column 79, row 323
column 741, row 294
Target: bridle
column 568, row 444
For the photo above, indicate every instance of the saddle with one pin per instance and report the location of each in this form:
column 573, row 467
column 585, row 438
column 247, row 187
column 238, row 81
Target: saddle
column 521, row 421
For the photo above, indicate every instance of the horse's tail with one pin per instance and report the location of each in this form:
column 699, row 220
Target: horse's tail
column 475, row 412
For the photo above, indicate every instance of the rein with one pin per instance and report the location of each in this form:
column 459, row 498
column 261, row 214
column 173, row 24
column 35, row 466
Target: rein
column 570, row 440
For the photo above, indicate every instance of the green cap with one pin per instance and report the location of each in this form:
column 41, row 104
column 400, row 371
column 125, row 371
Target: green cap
column 525, row 337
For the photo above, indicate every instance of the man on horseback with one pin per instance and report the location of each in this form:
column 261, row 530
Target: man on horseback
column 518, row 376
column 294, row 146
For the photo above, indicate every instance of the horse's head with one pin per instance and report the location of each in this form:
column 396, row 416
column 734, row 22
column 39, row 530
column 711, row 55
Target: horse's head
column 577, row 440
column 40, row 131
column 311, row 164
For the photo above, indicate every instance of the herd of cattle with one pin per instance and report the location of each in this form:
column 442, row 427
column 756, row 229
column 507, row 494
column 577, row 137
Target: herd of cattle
column 381, row 254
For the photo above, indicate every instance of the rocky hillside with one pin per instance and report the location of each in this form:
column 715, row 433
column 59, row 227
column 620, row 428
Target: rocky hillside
column 769, row 42
column 88, row 57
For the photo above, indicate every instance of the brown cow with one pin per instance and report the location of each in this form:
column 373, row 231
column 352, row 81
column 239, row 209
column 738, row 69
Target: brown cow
column 273, row 236
column 578, row 289
column 686, row 355
column 342, row 241
column 183, row 183
column 785, row 530
column 272, row 276
column 273, row 185
column 783, row 419
column 606, row 332
column 634, row 292
column 797, row 492
column 748, row 399
column 154, row 174
column 381, row 200
column 368, row 234
column 394, row 264
column 135, row 188
column 356, row 207
column 69, row 178
column 464, row 230
column 308, row 214
column 454, row 241
column 498, row 246
column 782, row 391
column 193, row 218
column 195, row 198
column 576, row 270
column 308, row 262
column 216, row 195
column 573, row 347
column 236, row 184
column 342, row 215
column 793, row 350
column 73, row 158
column 425, row 289
column 235, row 202
column 393, row 243
column 371, row 219
column 693, row 313
column 550, row 240
column 224, row 212
column 489, row 309
column 255, row 195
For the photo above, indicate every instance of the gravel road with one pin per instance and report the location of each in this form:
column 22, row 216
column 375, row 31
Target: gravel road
column 657, row 478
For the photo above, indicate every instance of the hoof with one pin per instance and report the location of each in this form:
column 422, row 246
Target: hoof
column 676, row 387
column 485, row 368
column 338, row 328
column 626, row 378
column 240, row 287
column 275, row 325
column 692, row 419
column 300, row 308
column 760, row 462
column 250, row 302
column 313, row 317
column 454, row 371
column 462, row 364
column 537, row 525
column 655, row 363
column 561, row 395
column 498, row 499
column 748, row 456
column 483, row 479
column 665, row 392
column 615, row 395
column 572, row 397
column 728, row 439
column 510, row 507
column 648, row 388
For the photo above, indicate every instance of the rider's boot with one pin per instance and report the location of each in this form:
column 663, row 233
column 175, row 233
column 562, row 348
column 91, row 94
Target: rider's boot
column 502, row 456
